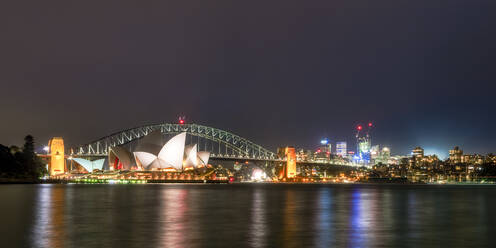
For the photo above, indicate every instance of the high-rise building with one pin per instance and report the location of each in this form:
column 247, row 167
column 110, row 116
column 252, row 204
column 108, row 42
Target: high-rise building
column 364, row 147
column 386, row 152
column 374, row 152
column 325, row 146
column 363, row 144
column 323, row 153
column 341, row 149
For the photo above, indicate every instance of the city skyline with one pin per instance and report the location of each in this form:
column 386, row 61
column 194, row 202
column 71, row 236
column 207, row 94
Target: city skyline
column 423, row 76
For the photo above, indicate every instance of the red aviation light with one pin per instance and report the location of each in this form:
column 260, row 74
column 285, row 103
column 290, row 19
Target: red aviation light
column 182, row 120
column 370, row 124
column 359, row 127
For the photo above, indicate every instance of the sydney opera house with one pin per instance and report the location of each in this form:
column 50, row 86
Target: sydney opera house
column 151, row 154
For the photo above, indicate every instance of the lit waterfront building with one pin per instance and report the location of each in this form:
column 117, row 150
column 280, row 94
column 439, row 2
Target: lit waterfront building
column 455, row 155
column 90, row 166
column 173, row 155
column 472, row 159
column 149, row 155
column 119, row 158
column 418, row 152
column 57, row 156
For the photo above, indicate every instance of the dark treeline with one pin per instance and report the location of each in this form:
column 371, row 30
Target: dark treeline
column 22, row 162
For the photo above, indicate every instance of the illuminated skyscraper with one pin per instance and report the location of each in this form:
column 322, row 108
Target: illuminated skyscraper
column 363, row 144
column 374, row 152
column 323, row 153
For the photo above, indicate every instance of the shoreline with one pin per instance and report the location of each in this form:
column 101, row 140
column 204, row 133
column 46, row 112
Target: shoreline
column 6, row 181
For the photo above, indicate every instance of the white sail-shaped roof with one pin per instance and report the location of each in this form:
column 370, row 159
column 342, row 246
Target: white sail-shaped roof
column 191, row 159
column 144, row 159
column 124, row 156
column 159, row 164
column 151, row 143
column 203, row 158
column 173, row 151
column 90, row 165
column 171, row 155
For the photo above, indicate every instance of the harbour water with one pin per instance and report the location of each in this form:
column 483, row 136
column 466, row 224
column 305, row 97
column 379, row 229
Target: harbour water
column 247, row 215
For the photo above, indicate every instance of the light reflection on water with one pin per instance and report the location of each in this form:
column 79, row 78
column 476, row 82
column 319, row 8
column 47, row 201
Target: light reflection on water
column 172, row 218
column 247, row 215
column 258, row 220
column 323, row 219
column 49, row 217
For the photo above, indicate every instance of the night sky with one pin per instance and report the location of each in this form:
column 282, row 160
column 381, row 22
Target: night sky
column 276, row 72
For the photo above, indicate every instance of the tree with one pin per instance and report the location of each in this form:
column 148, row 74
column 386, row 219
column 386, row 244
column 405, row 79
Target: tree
column 8, row 164
column 21, row 163
column 32, row 165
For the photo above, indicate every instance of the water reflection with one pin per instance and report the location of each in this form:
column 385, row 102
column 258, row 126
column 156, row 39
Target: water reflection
column 172, row 218
column 363, row 218
column 49, row 226
column 258, row 219
column 323, row 221
column 248, row 216
column 289, row 229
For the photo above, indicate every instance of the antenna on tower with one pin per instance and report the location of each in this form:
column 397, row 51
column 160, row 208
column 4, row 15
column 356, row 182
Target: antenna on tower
column 359, row 128
column 369, row 128
column 182, row 120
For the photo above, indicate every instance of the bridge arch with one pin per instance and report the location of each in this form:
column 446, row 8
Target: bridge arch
column 229, row 144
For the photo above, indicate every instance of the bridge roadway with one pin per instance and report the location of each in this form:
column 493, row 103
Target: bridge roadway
column 240, row 159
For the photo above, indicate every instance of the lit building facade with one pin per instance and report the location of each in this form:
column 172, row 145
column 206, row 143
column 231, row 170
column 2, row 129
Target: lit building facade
column 290, row 162
column 418, row 152
column 455, row 155
column 341, row 149
column 57, row 159
column 323, row 153
column 90, row 166
column 363, row 151
column 175, row 155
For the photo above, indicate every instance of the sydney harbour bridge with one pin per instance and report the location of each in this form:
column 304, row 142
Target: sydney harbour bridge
column 223, row 146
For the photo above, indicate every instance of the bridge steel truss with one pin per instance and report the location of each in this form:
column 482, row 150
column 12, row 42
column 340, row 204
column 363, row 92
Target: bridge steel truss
column 234, row 145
